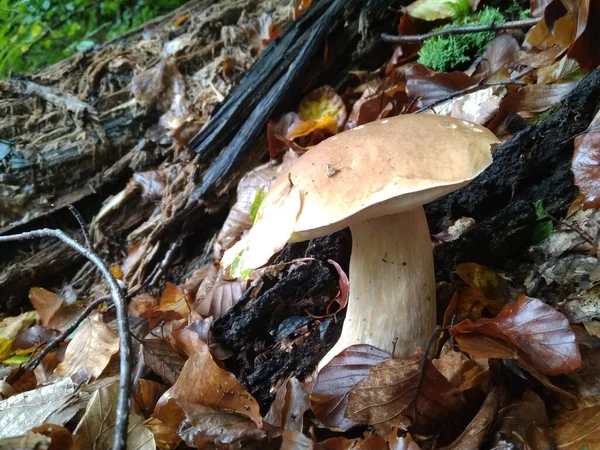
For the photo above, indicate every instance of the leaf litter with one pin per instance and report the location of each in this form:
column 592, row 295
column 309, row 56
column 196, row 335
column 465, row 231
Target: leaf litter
column 495, row 333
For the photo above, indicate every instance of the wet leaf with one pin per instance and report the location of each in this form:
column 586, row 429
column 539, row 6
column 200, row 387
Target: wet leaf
column 540, row 331
column 578, row 430
column 329, row 397
column 162, row 359
column 410, row 387
column 522, row 422
column 203, row 383
column 534, row 98
column 90, row 350
column 288, row 408
column 97, row 426
column 295, row 440
column 45, row 302
column 586, row 47
column 586, row 164
column 207, row 426
column 166, row 437
column 472, row 437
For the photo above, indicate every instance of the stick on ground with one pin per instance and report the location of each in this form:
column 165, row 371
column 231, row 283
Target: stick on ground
column 123, row 404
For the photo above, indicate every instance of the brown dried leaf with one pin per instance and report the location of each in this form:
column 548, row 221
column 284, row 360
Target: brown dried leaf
column 428, row 86
column 143, row 305
column 295, row 440
column 288, row 408
column 203, row 383
column 540, row 331
column 586, row 47
column 158, row 86
column 90, row 350
column 410, row 387
column 96, row 428
column 221, row 298
column 33, row 336
column 586, row 164
column 329, row 397
column 166, row 437
column 534, row 98
column 472, row 437
column 174, row 303
column 523, row 422
column 147, row 393
column 207, row 426
column 499, row 54
column 188, row 339
column 60, row 437
column 162, row 359
column 370, row 442
column 45, row 302
column 578, row 430
column 10, row 327
column 66, row 315
column 372, row 105
column 491, row 285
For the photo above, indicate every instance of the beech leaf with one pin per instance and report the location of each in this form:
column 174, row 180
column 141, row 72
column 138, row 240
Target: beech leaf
column 45, row 302
column 586, row 164
column 410, row 387
column 295, row 440
column 288, row 408
column 162, row 359
column 96, row 428
column 329, row 396
column 540, row 331
column 90, row 350
column 579, row 429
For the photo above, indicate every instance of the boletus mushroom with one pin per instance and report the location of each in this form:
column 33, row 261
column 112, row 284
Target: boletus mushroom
column 375, row 179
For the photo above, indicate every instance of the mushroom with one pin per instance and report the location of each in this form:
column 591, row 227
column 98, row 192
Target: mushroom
column 375, row 179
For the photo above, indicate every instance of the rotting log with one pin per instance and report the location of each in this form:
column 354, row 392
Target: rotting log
column 532, row 165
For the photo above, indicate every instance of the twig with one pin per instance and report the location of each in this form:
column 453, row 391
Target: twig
column 84, row 230
column 123, row 402
column 34, row 362
column 469, row 90
column 412, row 38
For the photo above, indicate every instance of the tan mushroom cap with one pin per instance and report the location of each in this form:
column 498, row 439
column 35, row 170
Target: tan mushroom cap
column 382, row 168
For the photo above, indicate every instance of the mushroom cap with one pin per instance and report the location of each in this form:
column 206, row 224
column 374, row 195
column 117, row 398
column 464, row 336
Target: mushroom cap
column 381, row 168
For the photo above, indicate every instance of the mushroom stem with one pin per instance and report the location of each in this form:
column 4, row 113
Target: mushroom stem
column 392, row 285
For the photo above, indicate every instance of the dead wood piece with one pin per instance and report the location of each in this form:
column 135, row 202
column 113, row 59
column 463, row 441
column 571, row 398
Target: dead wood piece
column 534, row 164
column 271, row 330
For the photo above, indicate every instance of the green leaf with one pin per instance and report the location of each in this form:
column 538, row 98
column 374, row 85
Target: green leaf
column 540, row 212
column 258, row 198
column 542, row 230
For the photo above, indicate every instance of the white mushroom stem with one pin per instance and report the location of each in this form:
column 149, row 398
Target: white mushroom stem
column 392, row 285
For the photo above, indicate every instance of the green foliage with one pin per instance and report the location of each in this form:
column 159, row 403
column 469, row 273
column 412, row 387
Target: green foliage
column 544, row 227
column 256, row 202
column 36, row 33
column 443, row 53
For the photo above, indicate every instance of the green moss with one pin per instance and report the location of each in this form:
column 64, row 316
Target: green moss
column 444, row 53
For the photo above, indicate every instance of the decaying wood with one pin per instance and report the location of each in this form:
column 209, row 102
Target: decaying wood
column 533, row 165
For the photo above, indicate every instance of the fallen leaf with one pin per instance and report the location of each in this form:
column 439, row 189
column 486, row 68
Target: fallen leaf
column 410, row 387
column 174, row 303
column 162, row 359
column 10, row 327
column 203, row 383
column 578, row 429
column 432, row 9
column 295, row 440
column 166, row 437
column 540, row 331
column 477, row 107
column 322, row 102
column 499, row 54
column 301, row 7
column 147, row 393
column 90, row 350
column 66, row 315
column 369, row 442
column 29, row 441
column 472, row 437
column 45, row 302
column 586, row 164
column 207, row 426
column 221, row 298
column 288, row 408
column 372, row 105
column 97, row 426
column 524, row 422
column 491, row 285
column 428, row 86
column 143, row 305
column 55, row 403
column 586, row 47
column 60, row 437
column 329, row 397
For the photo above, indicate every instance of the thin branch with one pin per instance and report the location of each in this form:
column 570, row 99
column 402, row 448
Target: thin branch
column 123, row 402
column 414, row 38
column 34, row 362
column 469, row 90
column 84, row 230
